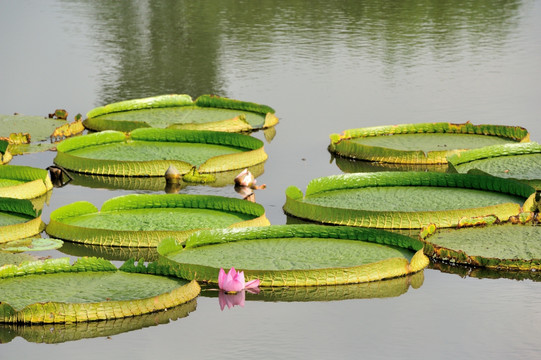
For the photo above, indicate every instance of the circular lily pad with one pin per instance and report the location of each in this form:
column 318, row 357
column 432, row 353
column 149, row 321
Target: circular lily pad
column 428, row 143
column 150, row 152
column 53, row 291
column 23, row 182
column 19, row 219
column 296, row 255
column 181, row 112
column 143, row 220
column 501, row 246
column 408, row 200
column 513, row 161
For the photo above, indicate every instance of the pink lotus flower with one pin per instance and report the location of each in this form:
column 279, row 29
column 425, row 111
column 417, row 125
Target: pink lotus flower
column 233, row 281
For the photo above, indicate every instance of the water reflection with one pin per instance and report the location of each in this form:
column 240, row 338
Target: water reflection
column 484, row 273
column 368, row 290
column 148, row 48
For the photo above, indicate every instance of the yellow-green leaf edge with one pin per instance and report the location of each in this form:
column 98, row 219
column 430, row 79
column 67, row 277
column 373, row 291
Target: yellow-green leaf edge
column 37, row 182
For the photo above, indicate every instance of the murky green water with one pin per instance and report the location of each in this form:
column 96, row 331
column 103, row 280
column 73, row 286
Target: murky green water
column 325, row 67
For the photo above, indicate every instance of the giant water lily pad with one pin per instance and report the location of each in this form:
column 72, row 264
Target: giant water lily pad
column 19, row 219
column 179, row 111
column 143, row 220
column 64, row 332
column 514, row 161
column 23, row 182
column 501, row 246
column 408, row 200
column 150, row 152
column 54, row 291
column 301, row 255
column 428, row 143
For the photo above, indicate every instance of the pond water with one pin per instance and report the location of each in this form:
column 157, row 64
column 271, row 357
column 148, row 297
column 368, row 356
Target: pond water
column 325, row 66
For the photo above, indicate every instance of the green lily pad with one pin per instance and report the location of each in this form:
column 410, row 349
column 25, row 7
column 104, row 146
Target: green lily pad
column 19, row 219
column 521, row 162
column 502, row 246
column 143, row 220
column 64, row 332
column 54, row 291
column 23, row 182
column 150, row 152
column 428, row 143
column 181, row 112
column 409, row 200
column 302, row 255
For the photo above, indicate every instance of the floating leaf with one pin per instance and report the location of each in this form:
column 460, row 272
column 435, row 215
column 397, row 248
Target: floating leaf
column 408, row 200
column 514, row 161
column 302, row 255
column 143, row 220
column 7, row 258
column 113, row 253
column 504, row 246
column 181, row 112
column 150, row 152
column 53, row 291
column 428, row 143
